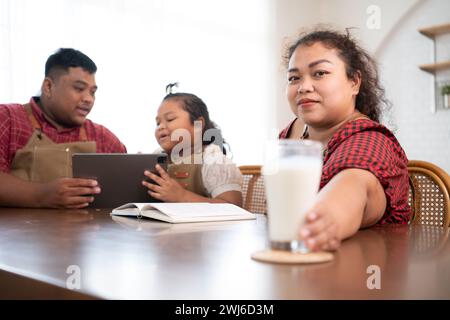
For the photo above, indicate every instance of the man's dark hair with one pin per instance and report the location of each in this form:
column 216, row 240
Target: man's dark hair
column 66, row 58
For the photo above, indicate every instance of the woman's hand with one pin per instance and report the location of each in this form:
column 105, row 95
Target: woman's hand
column 320, row 231
column 166, row 189
column 334, row 218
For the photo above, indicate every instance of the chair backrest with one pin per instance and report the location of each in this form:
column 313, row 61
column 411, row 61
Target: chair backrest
column 429, row 194
column 253, row 192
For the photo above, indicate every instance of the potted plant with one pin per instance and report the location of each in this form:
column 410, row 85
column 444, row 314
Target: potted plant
column 446, row 94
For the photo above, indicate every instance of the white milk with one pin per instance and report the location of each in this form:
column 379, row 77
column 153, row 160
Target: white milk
column 290, row 191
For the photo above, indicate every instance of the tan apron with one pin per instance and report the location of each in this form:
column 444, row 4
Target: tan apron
column 189, row 176
column 42, row 160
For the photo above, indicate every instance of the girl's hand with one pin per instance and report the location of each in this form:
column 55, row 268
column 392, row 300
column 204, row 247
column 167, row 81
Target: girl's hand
column 166, row 189
column 320, row 231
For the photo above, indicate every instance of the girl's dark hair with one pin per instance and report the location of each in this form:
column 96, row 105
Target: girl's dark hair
column 197, row 109
column 371, row 97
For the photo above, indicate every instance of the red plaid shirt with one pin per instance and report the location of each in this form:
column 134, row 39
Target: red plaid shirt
column 16, row 129
column 368, row 145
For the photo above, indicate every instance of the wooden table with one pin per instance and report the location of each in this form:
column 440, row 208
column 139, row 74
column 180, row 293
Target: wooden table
column 125, row 258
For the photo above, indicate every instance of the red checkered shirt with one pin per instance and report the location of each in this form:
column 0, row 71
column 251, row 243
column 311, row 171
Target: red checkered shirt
column 368, row 145
column 16, row 129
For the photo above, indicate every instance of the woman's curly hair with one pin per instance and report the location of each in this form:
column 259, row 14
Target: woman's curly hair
column 371, row 99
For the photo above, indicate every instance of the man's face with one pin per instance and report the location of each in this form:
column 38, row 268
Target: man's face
column 69, row 96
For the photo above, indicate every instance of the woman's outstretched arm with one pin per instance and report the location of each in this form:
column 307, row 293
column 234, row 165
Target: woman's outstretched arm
column 352, row 200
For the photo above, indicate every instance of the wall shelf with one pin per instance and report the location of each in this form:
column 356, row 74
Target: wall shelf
column 433, row 67
column 434, row 31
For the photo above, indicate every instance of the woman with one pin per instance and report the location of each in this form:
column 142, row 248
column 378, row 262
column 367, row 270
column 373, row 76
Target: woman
column 333, row 87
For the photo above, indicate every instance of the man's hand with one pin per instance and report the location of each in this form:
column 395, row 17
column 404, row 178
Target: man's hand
column 68, row 193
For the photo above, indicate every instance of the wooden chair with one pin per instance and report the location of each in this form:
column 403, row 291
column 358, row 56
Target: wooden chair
column 429, row 194
column 253, row 192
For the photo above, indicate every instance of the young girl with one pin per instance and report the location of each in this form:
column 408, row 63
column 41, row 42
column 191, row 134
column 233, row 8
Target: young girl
column 333, row 87
column 198, row 170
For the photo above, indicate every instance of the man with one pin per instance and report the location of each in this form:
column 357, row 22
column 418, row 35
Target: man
column 37, row 139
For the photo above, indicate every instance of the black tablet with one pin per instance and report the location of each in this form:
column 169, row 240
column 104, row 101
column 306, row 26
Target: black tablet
column 119, row 175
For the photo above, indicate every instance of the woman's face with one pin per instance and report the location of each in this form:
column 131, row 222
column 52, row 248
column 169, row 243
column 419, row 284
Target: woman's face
column 318, row 89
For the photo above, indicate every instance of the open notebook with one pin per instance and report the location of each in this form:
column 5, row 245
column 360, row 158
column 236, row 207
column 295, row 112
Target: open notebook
column 182, row 212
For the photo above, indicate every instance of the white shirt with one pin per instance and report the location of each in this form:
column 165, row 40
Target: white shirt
column 219, row 173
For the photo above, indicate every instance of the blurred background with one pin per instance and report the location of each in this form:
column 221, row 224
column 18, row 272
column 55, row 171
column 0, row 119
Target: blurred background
column 229, row 53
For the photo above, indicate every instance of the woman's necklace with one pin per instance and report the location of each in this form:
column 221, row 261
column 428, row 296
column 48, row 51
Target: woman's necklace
column 305, row 135
column 356, row 116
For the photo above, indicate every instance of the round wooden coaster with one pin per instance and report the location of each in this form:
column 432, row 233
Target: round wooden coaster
column 286, row 257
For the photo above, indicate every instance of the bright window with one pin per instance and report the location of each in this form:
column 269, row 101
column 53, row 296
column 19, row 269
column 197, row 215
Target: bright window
column 218, row 50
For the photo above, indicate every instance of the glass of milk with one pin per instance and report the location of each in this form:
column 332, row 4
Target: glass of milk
column 292, row 171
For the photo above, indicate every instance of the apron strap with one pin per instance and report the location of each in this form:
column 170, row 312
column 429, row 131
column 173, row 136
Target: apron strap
column 37, row 126
column 83, row 135
column 34, row 122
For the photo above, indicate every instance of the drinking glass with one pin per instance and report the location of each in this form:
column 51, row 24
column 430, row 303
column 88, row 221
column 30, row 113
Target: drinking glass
column 292, row 171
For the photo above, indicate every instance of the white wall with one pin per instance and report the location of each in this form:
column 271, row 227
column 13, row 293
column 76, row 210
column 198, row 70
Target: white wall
column 290, row 16
column 5, row 83
column 217, row 50
column 133, row 70
column 294, row 16
column 423, row 135
column 399, row 49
